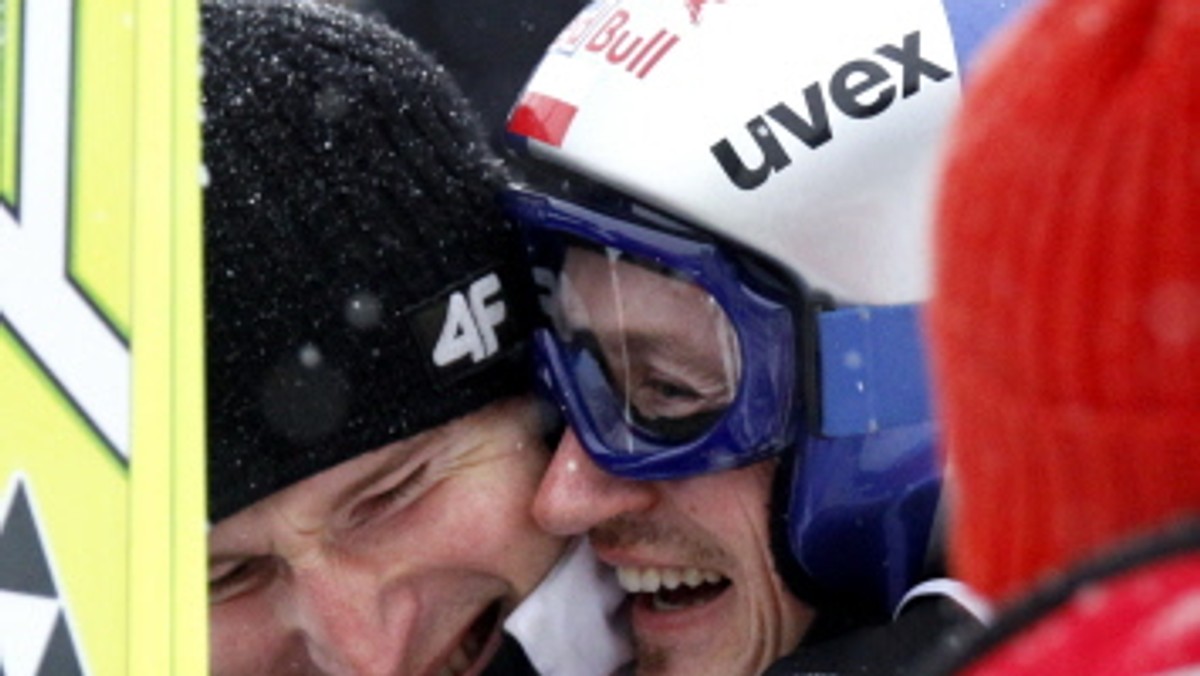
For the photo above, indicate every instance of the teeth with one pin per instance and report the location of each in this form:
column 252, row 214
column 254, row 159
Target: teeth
column 671, row 577
column 630, row 580
column 649, row 580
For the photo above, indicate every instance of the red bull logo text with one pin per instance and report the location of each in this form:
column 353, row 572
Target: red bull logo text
column 621, row 46
column 608, row 30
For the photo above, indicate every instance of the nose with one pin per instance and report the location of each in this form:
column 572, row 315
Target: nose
column 349, row 623
column 576, row 495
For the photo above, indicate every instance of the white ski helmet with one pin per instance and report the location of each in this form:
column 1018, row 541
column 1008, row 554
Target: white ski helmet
column 805, row 130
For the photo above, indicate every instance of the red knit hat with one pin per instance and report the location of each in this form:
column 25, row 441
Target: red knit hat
column 1066, row 314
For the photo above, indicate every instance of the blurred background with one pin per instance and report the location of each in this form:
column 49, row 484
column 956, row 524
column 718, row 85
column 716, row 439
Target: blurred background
column 491, row 46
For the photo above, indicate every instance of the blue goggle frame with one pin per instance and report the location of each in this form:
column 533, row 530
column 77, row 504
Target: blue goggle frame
column 806, row 367
column 756, row 423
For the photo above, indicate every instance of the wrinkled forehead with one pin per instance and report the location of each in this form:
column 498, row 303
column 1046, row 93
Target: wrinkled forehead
column 305, row 504
column 308, row 502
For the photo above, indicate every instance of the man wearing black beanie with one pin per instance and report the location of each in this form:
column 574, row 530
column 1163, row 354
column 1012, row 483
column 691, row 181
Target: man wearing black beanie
column 373, row 447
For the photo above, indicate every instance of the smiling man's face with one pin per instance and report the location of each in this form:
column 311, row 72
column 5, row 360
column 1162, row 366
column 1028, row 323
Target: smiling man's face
column 403, row 560
column 694, row 556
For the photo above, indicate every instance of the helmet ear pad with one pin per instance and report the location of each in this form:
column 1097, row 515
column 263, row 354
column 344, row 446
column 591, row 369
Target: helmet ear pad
column 833, row 616
column 797, row 580
column 853, row 519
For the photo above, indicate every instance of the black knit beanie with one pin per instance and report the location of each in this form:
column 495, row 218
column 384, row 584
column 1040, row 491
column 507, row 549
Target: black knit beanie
column 361, row 284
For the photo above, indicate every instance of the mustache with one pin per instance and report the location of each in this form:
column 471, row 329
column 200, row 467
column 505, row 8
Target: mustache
column 624, row 531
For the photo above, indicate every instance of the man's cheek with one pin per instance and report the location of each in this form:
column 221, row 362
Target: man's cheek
column 249, row 637
column 477, row 508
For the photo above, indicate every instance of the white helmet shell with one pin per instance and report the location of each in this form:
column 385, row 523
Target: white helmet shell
column 808, row 131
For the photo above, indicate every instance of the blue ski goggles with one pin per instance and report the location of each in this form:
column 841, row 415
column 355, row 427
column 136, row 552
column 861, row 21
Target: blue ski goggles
column 673, row 354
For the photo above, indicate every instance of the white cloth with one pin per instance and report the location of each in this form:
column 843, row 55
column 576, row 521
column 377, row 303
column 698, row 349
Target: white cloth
column 569, row 625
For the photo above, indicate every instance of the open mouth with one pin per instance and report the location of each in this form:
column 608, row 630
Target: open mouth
column 663, row 589
column 475, row 642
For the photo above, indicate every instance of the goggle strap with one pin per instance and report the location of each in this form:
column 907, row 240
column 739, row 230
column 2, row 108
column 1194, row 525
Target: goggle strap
column 873, row 372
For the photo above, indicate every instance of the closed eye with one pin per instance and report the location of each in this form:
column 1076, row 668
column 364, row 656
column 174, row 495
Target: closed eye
column 372, row 506
column 669, row 391
column 229, row 580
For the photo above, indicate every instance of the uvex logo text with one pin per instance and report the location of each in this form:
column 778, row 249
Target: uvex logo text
column 860, row 88
column 611, row 33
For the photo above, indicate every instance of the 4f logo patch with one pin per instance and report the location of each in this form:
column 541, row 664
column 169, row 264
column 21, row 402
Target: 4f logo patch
column 469, row 329
column 467, row 326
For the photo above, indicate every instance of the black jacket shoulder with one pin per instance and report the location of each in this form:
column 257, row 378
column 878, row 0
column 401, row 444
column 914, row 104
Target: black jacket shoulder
column 902, row 647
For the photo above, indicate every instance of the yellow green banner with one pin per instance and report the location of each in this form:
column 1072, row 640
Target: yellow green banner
column 102, row 518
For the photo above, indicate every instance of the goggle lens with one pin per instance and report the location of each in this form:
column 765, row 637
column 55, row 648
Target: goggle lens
column 666, row 352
